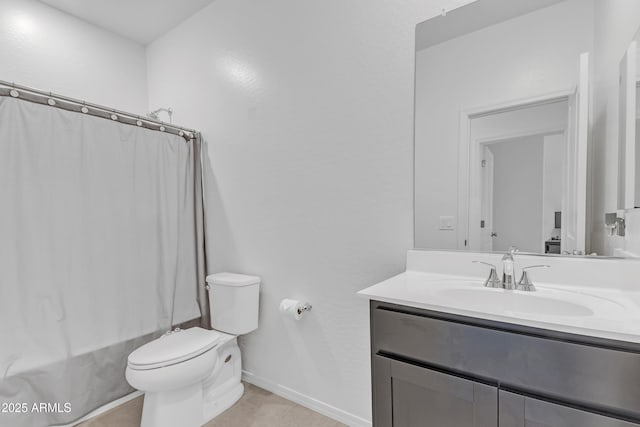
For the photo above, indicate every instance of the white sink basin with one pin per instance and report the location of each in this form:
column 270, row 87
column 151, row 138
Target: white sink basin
column 605, row 312
column 527, row 303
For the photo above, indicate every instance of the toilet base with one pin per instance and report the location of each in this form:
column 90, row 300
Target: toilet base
column 214, row 408
column 188, row 407
column 182, row 407
column 223, row 387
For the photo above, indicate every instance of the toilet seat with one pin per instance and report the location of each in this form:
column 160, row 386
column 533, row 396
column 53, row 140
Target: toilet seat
column 174, row 348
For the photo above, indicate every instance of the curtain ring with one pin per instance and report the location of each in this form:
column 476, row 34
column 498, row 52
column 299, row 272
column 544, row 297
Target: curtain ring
column 14, row 92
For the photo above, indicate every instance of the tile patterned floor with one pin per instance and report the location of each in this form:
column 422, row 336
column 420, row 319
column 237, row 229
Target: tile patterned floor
column 256, row 408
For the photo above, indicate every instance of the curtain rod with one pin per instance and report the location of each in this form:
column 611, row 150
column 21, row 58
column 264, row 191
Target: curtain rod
column 77, row 105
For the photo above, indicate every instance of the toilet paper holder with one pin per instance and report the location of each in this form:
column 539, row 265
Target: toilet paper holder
column 305, row 307
column 294, row 308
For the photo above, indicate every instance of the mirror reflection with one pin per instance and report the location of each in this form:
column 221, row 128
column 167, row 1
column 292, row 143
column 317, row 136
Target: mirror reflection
column 501, row 126
column 629, row 131
column 518, row 159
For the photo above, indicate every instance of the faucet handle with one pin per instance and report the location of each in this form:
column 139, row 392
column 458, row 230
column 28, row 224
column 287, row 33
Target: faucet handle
column 492, row 281
column 525, row 283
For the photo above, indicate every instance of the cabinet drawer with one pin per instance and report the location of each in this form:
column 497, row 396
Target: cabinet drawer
column 605, row 379
column 520, row 411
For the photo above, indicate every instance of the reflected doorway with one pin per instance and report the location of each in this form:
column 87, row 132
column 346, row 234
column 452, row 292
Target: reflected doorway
column 517, row 186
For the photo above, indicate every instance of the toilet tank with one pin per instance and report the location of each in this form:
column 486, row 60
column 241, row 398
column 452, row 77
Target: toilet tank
column 233, row 301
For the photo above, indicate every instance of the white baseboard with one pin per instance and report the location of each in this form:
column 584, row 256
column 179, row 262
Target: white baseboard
column 104, row 408
column 306, row 401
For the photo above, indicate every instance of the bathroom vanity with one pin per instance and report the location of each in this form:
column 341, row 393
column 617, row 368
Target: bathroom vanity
column 446, row 351
column 430, row 368
column 501, row 161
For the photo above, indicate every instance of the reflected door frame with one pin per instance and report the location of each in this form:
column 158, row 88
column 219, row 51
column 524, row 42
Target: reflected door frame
column 629, row 80
column 487, row 228
column 469, row 156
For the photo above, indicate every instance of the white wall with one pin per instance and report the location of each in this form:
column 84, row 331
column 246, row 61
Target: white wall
column 308, row 110
column 616, row 22
column 517, row 190
column 50, row 50
column 528, row 56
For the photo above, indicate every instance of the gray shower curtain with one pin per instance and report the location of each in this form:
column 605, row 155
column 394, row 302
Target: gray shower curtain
column 99, row 221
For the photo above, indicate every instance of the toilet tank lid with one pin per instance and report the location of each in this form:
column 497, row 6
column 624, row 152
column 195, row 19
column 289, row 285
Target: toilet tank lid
column 232, row 279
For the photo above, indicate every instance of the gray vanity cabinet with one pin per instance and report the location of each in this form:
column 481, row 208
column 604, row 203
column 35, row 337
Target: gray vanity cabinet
column 433, row 369
column 412, row 396
column 520, row 411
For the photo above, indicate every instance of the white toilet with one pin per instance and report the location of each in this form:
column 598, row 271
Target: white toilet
column 191, row 376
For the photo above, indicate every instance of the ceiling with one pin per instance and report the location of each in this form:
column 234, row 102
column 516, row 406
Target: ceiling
column 139, row 20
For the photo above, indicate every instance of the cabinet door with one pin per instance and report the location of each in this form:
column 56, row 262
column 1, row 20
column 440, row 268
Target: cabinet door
column 520, row 411
column 406, row 395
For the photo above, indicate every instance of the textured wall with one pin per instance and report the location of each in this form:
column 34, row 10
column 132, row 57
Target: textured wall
column 50, row 50
column 308, row 110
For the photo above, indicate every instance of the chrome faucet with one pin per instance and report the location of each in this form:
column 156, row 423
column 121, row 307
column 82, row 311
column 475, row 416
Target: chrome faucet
column 508, row 273
column 525, row 283
column 492, row 281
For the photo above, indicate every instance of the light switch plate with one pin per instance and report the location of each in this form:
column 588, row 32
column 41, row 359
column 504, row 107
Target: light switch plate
column 446, row 223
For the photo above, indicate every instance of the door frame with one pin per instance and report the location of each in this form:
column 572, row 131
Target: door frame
column 467, row 148
column 486, row 203
column 627, row 128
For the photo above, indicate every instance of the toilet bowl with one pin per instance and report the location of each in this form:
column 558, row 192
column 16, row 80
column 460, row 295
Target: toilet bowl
column 190, row 376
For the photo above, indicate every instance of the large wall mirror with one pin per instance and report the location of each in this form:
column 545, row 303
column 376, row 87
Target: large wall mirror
column 629, row 129
column 501, row 126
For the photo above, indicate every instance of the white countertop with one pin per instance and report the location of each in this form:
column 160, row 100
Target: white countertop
column 609, row 313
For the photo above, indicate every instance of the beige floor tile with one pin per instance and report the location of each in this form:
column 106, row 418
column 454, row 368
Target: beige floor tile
column 256, row 408
column 125, row 415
